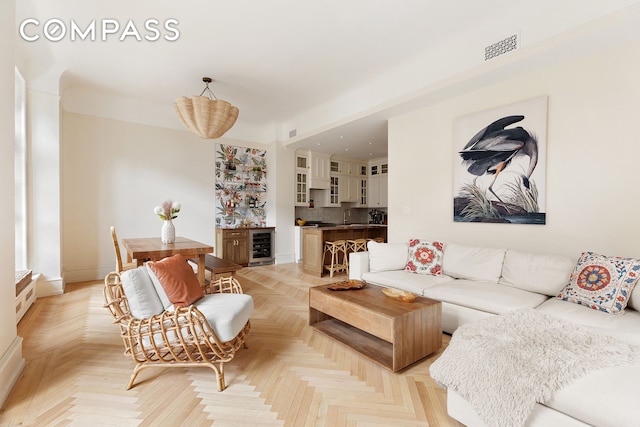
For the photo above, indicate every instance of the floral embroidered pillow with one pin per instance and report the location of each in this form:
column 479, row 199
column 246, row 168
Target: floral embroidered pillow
column 425, row 257
column 602, row 283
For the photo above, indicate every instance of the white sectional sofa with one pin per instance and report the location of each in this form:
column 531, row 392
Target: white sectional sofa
column 477, row 283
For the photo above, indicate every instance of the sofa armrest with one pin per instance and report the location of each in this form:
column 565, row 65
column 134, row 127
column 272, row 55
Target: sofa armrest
column 358, row 265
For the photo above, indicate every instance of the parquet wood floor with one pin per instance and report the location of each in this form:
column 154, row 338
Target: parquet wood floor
column 290, row 375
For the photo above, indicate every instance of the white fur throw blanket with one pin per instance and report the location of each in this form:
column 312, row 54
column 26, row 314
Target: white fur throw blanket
column 503, row 365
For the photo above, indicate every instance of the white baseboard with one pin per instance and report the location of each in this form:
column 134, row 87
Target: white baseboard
column 285, row 259
column 11, row 366
column 88, row 274
column 48, row 287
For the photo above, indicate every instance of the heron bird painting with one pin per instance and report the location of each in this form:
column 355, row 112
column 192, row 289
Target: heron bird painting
column 501, row 165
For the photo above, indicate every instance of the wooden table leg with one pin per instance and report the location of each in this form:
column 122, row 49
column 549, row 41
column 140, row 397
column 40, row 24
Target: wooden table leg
column 201, row 267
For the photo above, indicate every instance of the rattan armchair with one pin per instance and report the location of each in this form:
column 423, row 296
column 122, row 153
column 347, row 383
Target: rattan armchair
column 180, row 338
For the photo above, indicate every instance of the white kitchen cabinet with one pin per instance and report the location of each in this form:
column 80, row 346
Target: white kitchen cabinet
column 302, row 188
column 334, row 190
column 319, row 177
column 349, row 173
column 378, row 167
column 378, row 192
column 302, row 180
column 363, row 192
column 378, row 183
column 349, row 188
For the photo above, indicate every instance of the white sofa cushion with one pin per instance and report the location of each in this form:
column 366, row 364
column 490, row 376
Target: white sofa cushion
column 141, row 294
column 227, row 313
column 405, row 280
column 467, row 262
column 484, row 296
column 624, row 326
column 605, row 397
column 543, row 274
column 387, row 256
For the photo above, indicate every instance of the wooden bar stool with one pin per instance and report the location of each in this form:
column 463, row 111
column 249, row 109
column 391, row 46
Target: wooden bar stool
column 339, row 260
column 377, row 239
column 356, row 245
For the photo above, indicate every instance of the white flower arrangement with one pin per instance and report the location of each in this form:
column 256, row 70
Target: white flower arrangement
column 168, row 210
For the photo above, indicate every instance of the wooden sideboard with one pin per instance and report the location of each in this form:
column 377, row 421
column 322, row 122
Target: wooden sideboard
column 237, row 245
column 313, row 239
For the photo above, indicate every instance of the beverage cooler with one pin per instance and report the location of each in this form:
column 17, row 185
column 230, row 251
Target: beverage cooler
column 261, row 247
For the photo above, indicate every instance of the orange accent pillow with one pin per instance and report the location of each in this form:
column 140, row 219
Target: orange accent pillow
column 178, row 280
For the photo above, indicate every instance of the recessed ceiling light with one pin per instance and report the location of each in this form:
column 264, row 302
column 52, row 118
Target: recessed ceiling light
column 371, row 143
column 318, row 144
column 341, row 137
column 371, row 154
column 346, row 149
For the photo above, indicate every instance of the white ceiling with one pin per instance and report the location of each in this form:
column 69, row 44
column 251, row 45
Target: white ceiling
column 327, row 69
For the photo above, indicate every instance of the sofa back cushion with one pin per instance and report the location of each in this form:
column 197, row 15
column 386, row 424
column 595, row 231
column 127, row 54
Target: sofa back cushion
column 467, row 262
column 543, row 274
column 387, row 256
column 141, row 294
column 634, row 299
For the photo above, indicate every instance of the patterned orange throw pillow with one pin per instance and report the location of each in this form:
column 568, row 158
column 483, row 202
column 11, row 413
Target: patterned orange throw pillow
column 425, row 257
column 602, row 282
column 178, row 280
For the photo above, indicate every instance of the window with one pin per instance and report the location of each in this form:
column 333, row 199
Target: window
column 20, row 172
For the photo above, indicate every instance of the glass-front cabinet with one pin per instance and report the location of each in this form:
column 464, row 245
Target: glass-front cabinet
column 334, row 191
column 302, row 180
column 363, row 192
column 302, row 188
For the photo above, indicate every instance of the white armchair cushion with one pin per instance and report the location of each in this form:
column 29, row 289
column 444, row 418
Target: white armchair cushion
column 543, row 274
column 226, row 313
column 466, row 262
column 141, row 294
column 164, row 299
column 387, row 256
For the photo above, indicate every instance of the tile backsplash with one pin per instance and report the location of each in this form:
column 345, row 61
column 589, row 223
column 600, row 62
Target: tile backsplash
column 335, row 215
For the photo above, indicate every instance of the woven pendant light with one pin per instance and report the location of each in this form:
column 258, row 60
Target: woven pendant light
column 206, row 116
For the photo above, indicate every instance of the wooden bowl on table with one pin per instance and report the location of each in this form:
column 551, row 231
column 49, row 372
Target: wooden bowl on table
column 347, row 285
column 399, row 295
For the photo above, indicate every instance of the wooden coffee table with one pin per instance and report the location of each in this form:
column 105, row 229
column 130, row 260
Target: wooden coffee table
column 392, row 333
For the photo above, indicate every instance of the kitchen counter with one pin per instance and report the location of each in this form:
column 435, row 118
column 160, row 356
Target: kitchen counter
column 313, row 238
column 345, row 226
column 246, row 227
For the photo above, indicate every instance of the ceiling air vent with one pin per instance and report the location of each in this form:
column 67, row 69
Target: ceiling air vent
column 501, row 47
column 293, row 133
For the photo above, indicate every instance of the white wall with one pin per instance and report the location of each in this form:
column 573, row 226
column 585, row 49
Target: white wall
column 116, row 172
column 281, row 197
column 44, row 176
column 454, row 55
column 592, row 160
column 11, row 361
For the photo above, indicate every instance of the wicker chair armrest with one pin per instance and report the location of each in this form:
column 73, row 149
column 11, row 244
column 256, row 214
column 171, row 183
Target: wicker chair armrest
column 224, row 285
column 115, row 299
